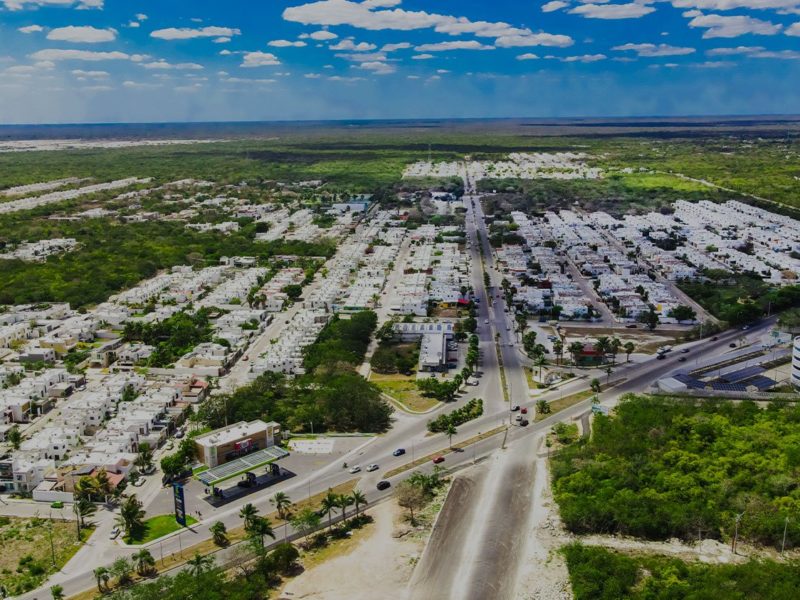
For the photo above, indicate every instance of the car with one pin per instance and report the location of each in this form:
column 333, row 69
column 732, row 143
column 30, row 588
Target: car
column 518, row 418
column 246, row 358
column 714, row 339
column 114, row 533
column 732, row 345
column 57, row 504
column 515, row 408
column 355, row 469
column 372, row 467
column 438, row 459
column 524, row 411
column 139, row 482
column 383, row 485
column 746, row 327
column 630, row 326
column 179, row 434
column 524, row 423
column 399, row 452
column 682, row 359
column 661, row 357
column 685, row 351
column 486, row 321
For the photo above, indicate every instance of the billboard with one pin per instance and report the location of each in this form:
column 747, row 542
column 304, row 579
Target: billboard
column 180, row 504
column 242, row 445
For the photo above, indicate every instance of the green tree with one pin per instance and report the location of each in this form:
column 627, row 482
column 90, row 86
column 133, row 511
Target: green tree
column 358, row 499
column 450, row 431
column 330, row 502
column 102, row 575
column 143, row 562
column 219, row 533
column 131, row 515
column 248, row 513
column 14, row 437
column 595, row 385
column 630, row 348
column 199, row 564
column 282, row 503
column 57, row 592
column 121, row 571
column 410, row 497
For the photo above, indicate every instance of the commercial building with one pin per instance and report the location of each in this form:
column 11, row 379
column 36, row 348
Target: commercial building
column 229, row 443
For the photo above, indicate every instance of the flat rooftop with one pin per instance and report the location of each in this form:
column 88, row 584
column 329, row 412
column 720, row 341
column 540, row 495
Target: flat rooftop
column 231, row 433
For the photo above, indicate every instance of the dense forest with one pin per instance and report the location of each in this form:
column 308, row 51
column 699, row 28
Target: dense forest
column 172, row 337
column 600, row 574
column 661, row 468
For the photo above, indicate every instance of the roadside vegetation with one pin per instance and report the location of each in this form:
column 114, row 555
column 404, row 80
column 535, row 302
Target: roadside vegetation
column 662, row 467
column 601, row 574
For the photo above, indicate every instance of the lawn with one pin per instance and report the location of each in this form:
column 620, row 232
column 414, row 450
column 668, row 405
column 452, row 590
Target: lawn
column 26, row 559
column 156, row 527
column 564, row 403
column 403, row 389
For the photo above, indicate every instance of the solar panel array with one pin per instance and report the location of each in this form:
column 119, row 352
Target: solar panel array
column 742, row 374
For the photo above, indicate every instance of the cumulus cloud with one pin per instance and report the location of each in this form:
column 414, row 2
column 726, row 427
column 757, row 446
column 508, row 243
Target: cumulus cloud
column 163, row 65
column 187, row 33
column 736, row 4
column 377, row 67
column 554, row 6
column 82, row 75
column 533, row 39
column 459, row 45
column 719, row 26
column 350, row 45
column 321, row 36
column 527, row 56
column 285, row 44
column 422, row 57
column 653, row 50
column 55, row 54
column 631, row 10
column 793, row 30
column 259, row 59
column 79, row 4
column 82, row 35
column 31, row 29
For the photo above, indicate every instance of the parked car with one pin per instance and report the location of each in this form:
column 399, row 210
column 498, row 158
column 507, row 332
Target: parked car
column 57, row 504
column 486, row 321
column 524, row 411
column 518, row 418
column 682, row 359
column 685, row 351
column 114, row 533
column 732, row 345
column 515, row 408
column 438, row 459
column 630, row 326
column 661, row 357
column 523, row 423
column 399, row 452
column 383, row 485
column 372, row 467
column 139, row 482
column 355, row 469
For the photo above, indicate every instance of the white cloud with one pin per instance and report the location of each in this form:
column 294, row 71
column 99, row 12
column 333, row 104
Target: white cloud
column 185, row 33
column 79, row 4
column 377, row 67
column 734, row 51
column 82, row 35
column 322, row 35
column 533, row 39
column 350, row 45
column 259, row 59
column 248, row 80
column 345, row 79
column 141, row 17
column 422, row 57
column 363, row 56
column 554, row 6
column 583, row 58
column 134, row 24
column 793, row 30
column 755, row 52
column 96, row 88
column 631, row 10
column 735, row 4
column 364, row 16
column 458, row 45
column 31, row 29
column 286, row 44
column 221, row 40
column 312, row 75
column 527, row 56
column 394, row 47
column 81, row 74
column 162, row 65
column 653, row 50
column 55, row 54
column 718, row 26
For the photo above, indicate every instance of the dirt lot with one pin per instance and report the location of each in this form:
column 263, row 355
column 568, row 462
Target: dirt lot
column 381, row 560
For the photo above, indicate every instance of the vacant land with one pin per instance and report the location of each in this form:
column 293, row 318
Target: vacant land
column 33, row 549
column 601, row 574
column 661, row 468
column 403, row 389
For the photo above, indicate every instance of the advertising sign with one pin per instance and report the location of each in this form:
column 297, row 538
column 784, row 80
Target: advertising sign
column 180, row 504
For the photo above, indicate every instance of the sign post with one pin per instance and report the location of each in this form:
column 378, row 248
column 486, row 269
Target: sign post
column 180, row 504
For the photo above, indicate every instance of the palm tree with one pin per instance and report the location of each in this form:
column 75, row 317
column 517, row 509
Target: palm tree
column 616, row 346
column 248, row 515
column 575, row 348
column 219, row 533
column 82, row 507
column 103, row 484
column 329, row 504
column 602, row 346
column 358, row 499
column 306, row 521
column 131, row 515
column 629, row 349
column 199, row 564
column 282, row 503
column 558, row 349
column 540, row 362
column 450, row 431
column 345, row 501
column 121, row 569
column 260, row 528
column 143, row 562
column 86, row 487
column 57, row 592
column 145, row 457
column 102, row 575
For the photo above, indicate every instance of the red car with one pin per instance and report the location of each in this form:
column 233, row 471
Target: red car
column 438, row 459
column 524, row 411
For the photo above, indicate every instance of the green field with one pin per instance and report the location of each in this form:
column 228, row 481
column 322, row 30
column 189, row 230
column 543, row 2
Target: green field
column 157, row 527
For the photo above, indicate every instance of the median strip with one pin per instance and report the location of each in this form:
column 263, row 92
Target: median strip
column 456, row 447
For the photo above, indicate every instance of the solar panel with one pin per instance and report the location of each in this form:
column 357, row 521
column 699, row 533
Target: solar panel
column 761, row 383
column 742, row 374
column 241, row 465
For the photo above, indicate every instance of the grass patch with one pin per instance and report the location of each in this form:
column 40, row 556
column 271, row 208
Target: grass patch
column 157, row 527
column 557, row 406
column 403, row 389
column 26, row 560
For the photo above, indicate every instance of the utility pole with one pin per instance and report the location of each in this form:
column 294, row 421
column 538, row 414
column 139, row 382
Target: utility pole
column 736, row 532
column 785, row 527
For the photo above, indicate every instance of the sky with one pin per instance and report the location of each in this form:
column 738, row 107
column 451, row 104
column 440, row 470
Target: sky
column 77, row 61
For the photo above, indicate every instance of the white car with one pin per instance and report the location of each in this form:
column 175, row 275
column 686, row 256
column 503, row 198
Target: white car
column 114, row 533
column 355, row 469
column 372, row 467
column 139, row 482
column 486, row 321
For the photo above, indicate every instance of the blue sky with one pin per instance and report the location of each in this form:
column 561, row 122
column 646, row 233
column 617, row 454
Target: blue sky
column 176, row 60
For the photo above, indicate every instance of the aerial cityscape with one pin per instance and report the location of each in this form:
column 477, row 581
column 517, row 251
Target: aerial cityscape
column 400, row 300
